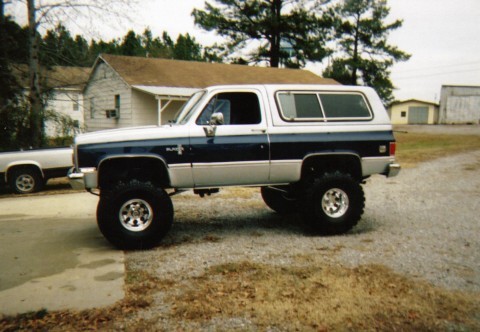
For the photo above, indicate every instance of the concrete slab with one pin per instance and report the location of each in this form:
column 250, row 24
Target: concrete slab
column 52, row 255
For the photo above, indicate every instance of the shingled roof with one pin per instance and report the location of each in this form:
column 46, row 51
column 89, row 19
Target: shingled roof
column 191, row 74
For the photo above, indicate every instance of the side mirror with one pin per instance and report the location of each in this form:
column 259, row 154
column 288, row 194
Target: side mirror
column 215, row 120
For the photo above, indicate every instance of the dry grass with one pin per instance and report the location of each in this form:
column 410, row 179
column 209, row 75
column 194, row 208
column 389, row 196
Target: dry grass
column 322, row 298
column 414, row 148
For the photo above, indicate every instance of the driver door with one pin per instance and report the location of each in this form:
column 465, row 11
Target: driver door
column 235, row 149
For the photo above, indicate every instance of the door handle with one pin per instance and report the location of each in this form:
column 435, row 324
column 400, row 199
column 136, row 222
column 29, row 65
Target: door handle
column 263, row 131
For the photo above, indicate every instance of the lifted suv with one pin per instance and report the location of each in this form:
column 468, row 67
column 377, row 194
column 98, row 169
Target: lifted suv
column 309, row 148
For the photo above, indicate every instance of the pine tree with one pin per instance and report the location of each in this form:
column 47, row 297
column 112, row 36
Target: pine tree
column 363, row 55
column 285, row 32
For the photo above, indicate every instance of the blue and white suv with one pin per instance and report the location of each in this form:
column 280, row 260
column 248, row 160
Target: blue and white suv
column 308, row 147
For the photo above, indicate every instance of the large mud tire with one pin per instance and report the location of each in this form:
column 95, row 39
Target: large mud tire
column 333, row 203
column 135, row 215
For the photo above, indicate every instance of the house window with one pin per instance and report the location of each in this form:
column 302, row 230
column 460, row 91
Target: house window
column 114, row 113
column 117, row 103
column 403, row 114
column 75, row 103
column 92, row 108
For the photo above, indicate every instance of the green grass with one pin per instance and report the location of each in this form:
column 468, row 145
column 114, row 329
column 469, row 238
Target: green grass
column 414, row 148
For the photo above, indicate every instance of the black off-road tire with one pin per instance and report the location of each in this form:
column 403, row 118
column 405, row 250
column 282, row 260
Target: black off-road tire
column 333, row 203
column 278, row 201
column 25, row 180
column 135, row 215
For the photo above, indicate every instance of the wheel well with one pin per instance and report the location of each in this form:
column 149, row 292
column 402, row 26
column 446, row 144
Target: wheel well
column 112, row 171
column 317, row 165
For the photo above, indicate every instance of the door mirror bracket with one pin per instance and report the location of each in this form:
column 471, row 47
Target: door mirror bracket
column 210, row 130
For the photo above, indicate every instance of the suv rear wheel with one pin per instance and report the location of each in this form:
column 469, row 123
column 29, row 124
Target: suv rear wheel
column 135, row 215
column 333, row 203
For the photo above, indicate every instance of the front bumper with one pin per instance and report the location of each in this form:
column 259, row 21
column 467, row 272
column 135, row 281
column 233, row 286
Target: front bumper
column 86, row 179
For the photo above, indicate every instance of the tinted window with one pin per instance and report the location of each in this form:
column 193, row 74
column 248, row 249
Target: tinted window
column 344, row 106
column 303, row 106
column 300, row 106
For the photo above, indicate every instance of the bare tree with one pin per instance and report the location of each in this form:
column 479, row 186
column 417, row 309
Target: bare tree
column 49, row 13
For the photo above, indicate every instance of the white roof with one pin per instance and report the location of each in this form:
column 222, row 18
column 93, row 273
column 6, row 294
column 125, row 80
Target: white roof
column 166, row 91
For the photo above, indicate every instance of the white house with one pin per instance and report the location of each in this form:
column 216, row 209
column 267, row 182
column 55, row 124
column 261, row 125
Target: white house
column 66, row 96
column 125, row 91
column 64, row 91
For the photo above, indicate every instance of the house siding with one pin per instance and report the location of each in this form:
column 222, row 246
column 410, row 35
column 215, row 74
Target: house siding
column 100, row 92
column 145, row 109
column 68, row 102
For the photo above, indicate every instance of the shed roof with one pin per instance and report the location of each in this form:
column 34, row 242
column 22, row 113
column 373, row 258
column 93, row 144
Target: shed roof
column 192, row 74
column 413, row 101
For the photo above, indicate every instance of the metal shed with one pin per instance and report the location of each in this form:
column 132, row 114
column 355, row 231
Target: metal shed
column 460, row 104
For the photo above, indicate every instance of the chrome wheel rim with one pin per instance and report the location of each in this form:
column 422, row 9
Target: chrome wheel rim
column 25, row 183
column 335, row 203
column 136, row 215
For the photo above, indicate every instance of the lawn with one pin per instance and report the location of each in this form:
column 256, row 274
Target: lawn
column 414, row 148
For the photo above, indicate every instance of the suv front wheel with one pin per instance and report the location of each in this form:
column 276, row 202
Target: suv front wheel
column 333, row 203
column 135, row 215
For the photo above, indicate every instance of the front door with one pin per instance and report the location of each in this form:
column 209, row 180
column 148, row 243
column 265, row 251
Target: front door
column 237, row 152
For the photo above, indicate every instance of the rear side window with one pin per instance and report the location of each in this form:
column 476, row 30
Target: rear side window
column 324, row 106
column 300, row 106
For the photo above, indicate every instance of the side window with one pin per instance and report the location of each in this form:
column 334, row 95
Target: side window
column 313, row 106
column 238, row 108
column 300, row 106
column 345, row 106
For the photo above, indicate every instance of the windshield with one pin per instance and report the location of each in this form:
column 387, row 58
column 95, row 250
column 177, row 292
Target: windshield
column 187, row 109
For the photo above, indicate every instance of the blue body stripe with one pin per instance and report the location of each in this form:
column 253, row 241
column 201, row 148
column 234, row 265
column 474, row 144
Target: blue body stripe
column 297, row 146
column 242, row 148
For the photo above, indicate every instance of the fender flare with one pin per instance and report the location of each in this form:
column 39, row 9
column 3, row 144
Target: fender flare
column 111, row 158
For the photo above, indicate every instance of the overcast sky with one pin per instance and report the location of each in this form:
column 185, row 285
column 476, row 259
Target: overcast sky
column 443, row 37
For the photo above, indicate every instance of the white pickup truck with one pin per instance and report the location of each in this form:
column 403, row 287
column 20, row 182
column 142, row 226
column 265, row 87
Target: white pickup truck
column 27, row 171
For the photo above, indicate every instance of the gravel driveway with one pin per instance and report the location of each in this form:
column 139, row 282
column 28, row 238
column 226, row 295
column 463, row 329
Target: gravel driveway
column 423, row 224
